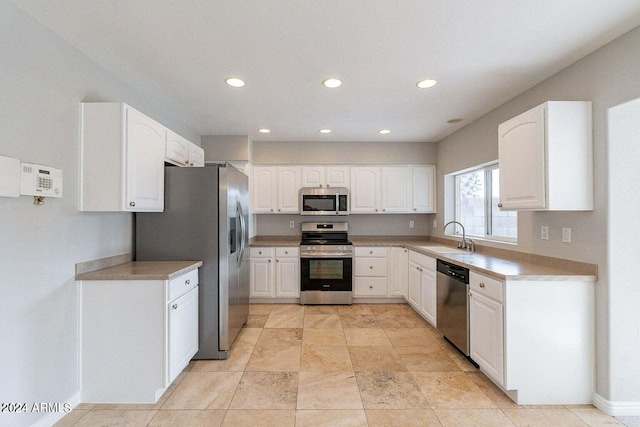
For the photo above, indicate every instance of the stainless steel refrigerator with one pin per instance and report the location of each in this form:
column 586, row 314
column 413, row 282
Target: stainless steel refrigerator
column 205, row 218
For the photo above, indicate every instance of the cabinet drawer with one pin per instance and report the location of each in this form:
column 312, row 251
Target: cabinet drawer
column 370, row 252
column 371, row 267
column 182, row 284
column 487, row 286
column 423, row 260
column 292, row 251
column 261, row 252
column 370, row 286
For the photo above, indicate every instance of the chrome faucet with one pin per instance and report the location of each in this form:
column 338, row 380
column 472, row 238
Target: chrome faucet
column 463, row 244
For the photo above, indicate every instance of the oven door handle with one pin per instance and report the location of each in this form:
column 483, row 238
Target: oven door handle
column 337, row 203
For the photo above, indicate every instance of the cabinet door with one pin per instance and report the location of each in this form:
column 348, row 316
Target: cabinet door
column 396, row 189
column 196, row 156
column 423, row 189
column 313, row 176
column 337, row 176
column 428, row 302
column 413, row 292
column 183, row 332
column 265, row 189
column 261, row 278
column 365, row 188
column 486, row 335
column 521, row 147
column 288, row 277
column 144, row 173
column 289, row 184
column 177, row 149
column 398, row 272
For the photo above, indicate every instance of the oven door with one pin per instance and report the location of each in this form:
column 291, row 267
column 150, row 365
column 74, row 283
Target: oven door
column 326, row 274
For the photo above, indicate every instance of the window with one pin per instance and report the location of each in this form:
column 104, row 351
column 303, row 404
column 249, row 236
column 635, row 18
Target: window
column 477, row 193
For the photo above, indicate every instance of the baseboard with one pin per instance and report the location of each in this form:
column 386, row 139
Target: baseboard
column 53, row 417
column 620, row 409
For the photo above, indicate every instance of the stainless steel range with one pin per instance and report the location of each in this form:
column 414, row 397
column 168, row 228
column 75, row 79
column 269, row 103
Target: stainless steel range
column 326, row 264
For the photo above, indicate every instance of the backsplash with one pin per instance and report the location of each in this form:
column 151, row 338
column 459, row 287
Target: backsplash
column 382, row 224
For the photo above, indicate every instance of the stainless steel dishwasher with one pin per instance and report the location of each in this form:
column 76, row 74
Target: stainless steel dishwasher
column 453, row 304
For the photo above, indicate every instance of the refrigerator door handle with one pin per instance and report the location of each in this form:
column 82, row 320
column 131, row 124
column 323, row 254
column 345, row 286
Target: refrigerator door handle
column 240, row 214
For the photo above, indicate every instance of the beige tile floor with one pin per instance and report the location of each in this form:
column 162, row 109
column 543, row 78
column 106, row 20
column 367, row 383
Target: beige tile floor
column 360, row 365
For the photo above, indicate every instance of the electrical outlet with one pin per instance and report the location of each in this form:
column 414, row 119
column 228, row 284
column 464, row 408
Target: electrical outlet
column 544, row 232
column 292, row 224
column 566, row 235
column 411, row 224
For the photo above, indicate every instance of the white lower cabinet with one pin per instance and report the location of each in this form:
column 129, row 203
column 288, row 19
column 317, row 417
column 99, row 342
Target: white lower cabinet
column 421, row 293
column 288, row 272
column 486, row 315
column 398, row 272
column 371, row 272
column 136, row 336
column 526, row 334
column 275, row 272
column 183, row 337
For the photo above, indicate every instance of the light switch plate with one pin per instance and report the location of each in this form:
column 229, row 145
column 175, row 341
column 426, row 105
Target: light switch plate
column 566, row 235
column 411, row 224
column 292, row 224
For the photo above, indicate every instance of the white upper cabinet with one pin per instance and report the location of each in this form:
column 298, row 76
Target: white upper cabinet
column 396, row 189
column 181, row 152
column 365, row 189
column 276, row 189
column 196, row 156
column 177, row 149
column 325, row 176
column 122, row 159
column 337, row 176
column 313, row 176
column 265, row 189
column 423, row 189
column 546, row 158
column 289, row 183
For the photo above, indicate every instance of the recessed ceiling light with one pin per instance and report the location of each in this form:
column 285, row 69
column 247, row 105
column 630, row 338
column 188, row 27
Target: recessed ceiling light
column 384, row 131
column 454, row 121
column 325, row 130
column 235, row 82
column 332, row 83
column 427, row 83
column 264, row 130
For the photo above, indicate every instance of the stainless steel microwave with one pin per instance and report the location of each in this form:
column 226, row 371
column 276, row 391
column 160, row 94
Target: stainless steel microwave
column 324, row 201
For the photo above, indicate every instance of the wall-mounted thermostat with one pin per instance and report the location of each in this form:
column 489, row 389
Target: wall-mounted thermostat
column 38, row 180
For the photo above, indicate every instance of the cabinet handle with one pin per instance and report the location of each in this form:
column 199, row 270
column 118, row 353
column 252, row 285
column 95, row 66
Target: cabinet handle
column 132, row 204
column 286, row 252
column 271, row 210
column 277, row 260
column 187, row 282
column 260, row 252
column 174, row 306
column 499, row 205
column 415, row 209
column 482, row 285
column 269, row 260
column 384, row 210
column 371, row 267
column 371, row 252
column 470, row 294
column 370, row 287
column 191, row 164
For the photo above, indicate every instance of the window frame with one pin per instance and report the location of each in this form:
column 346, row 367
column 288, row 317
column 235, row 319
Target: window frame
column 487, row 170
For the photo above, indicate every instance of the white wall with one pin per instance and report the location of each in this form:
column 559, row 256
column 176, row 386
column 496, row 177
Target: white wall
column 623, row 233
column 42, row 82
column 607, row 77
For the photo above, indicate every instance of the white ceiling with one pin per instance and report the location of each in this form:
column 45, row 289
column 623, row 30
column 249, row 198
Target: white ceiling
column 482, row 52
